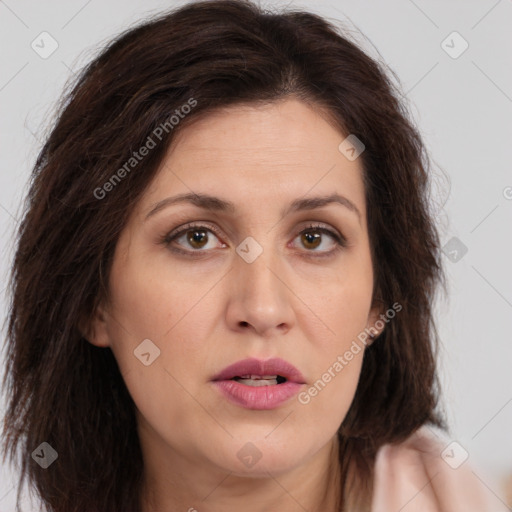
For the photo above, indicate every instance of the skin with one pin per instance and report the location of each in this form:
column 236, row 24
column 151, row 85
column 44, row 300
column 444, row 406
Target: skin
column 207, row 312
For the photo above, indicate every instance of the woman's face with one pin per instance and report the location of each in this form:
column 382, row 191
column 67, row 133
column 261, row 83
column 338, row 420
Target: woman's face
column 248, row 267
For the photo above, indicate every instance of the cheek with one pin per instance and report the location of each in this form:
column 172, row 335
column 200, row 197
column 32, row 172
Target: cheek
column 154, row 301
column 172, row 311
column 328, row 396
column 339, row 305
column 344, row 310
column 342, row 304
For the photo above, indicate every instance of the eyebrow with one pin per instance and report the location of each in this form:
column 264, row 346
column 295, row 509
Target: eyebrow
column 213, row 203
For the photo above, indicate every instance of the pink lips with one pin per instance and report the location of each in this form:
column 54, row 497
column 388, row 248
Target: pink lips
column 261, row 397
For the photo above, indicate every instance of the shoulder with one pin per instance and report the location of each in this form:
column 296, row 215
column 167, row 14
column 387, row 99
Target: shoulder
column 414, row 476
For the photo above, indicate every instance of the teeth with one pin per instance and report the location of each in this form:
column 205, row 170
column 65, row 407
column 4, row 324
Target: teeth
column 260, row 380
column 265, row 381
column 257, row 377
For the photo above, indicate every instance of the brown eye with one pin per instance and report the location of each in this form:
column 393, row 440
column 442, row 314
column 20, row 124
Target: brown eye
column 314, row 237
column 197, row 238
column 311, row 240
column 193, row 239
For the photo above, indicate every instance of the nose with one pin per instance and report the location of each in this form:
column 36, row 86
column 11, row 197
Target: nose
column 260, row 298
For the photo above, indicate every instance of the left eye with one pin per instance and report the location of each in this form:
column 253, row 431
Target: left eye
column 312, row 238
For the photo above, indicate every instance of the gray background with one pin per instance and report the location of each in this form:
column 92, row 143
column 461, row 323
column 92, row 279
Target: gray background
column 462, row 106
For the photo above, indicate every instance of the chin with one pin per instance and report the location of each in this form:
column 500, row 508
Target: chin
column 261, row 456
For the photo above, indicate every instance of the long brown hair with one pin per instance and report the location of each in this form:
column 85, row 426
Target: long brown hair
column 63, row 390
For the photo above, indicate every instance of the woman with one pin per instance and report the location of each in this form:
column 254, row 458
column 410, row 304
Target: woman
column 222, row 292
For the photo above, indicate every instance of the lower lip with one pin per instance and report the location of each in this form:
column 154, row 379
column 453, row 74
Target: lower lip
column 257, row 397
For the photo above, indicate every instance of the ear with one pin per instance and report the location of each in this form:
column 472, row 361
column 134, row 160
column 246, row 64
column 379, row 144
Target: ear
column 95, row 329
column 375, row 324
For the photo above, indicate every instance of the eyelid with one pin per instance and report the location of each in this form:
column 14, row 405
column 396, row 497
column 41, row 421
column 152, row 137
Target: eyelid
column 191, row 225
column 326, row 229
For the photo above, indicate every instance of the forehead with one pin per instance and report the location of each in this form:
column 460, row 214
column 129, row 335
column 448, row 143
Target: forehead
column 259, row 155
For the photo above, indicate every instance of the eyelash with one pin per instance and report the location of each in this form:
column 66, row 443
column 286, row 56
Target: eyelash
column 167, row 239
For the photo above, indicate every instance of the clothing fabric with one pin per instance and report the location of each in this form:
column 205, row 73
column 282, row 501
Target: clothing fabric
column 425, row 474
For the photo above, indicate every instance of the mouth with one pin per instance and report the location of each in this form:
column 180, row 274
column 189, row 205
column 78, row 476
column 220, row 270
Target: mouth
column 257, row 384
column 257, row 372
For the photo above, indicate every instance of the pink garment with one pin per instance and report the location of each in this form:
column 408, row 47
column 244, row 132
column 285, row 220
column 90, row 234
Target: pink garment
column 414, row 477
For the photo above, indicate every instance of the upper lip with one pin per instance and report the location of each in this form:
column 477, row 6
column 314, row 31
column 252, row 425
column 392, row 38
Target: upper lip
column 253, row 366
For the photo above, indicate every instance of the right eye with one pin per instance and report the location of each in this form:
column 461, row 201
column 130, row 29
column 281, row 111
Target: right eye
column 196, row 236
